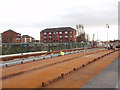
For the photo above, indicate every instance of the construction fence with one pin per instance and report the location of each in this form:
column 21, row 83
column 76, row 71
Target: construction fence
column 14, row 48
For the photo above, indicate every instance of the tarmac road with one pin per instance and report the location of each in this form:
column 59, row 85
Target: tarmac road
column 108, row 78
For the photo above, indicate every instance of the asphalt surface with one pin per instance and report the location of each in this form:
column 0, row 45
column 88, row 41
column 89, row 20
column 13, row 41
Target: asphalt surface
column 108, row 78
column 118, row 84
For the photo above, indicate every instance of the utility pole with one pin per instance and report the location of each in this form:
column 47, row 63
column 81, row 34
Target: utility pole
column 107, row 25
column 93, row 39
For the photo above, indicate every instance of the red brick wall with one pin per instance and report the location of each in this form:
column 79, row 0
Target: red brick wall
column 27, row 40
column 74, row 36
column 9, row 37
column 57, row 40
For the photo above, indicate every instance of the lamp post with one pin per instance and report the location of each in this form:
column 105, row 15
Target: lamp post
column 107, row 25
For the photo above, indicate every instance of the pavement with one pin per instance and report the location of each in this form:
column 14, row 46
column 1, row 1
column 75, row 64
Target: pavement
column 108, row 78
column 118, row 84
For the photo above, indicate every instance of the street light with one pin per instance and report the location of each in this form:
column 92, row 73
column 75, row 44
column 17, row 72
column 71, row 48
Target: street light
column 107, row 25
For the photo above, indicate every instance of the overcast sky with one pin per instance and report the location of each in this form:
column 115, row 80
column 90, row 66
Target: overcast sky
column 32, row 16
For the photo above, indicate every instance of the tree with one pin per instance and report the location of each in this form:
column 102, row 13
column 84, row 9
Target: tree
column 82, row 37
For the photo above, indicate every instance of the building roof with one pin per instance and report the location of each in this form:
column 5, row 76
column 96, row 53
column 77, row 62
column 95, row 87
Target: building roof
column 19, row 33
column 36, row 40
column 57, row 29
column 26, row 36
column 10, row 31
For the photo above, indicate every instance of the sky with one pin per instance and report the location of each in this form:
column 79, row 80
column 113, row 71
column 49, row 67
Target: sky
column 31, row 16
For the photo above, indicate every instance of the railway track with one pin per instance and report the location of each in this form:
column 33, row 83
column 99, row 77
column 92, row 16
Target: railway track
column 80, row 77
column 34, row 54
column 54, row 66
column 45, row 66
column 62, row 75
column 50, row 55
column 40, row 63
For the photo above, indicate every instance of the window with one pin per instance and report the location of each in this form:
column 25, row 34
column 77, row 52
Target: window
column 45, row 41
column 70, row 35
column 60, row 36
column 50, row 40
column 56, row 40
column 60, row 40
column 70, row 40
column 45, row 33
column 17, row 38
column 50, row 36
column 50, row 33
column 66, row 40
column 56, row 32
column 60, row 32
column 30, row 39
column 56, row 36
column 66, row 36
column 70, row 31
column 41, row 37
column 44, row 37
column 66, row 32
column 25, row 40
column 53, row 32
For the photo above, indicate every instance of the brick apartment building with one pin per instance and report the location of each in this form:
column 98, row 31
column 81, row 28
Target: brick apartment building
column 11, row 36
column 27, row 39
column 58, row 35
column 36, row 41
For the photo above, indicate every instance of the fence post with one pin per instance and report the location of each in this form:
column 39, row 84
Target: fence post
column 48, row 49
column 36, row 47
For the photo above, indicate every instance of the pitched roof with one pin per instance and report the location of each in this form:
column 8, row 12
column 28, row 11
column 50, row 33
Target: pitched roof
column 10, row 30
column 36, row 40
column 26, row 36
column 58, row 29
column 19, row 33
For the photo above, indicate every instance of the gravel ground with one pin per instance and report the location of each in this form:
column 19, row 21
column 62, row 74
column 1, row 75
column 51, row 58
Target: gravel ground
column 80, row 78
column 35, row 78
